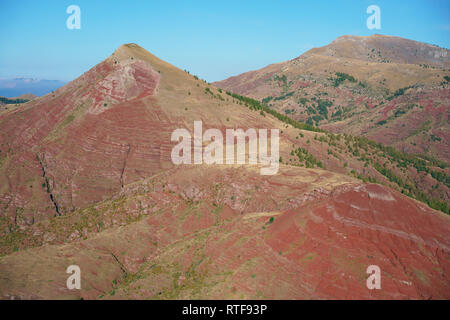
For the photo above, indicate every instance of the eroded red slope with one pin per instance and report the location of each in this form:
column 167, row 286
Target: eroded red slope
column 202, row 232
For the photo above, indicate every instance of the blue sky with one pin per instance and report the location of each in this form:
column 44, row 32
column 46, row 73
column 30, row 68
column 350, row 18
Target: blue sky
column 212, row 39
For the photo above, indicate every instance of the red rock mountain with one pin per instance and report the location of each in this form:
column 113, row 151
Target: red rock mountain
column 86, row 178
column 389, row 89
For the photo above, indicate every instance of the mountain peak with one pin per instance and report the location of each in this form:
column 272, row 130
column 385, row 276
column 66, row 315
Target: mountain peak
column 384, row 49
column 373, row 36
column 128, row 50
column 128, row 47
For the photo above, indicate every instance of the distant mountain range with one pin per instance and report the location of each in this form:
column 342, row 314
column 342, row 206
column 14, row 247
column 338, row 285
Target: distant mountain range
column 15, row 87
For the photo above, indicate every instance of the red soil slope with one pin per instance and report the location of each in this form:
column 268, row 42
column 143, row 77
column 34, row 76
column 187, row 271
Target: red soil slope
column 110, row 127
column 204, row 232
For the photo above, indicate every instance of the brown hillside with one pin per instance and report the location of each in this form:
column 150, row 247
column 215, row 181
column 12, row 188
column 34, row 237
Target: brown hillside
column 392, row 90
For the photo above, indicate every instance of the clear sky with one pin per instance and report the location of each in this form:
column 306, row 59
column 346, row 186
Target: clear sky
column 212, row 39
